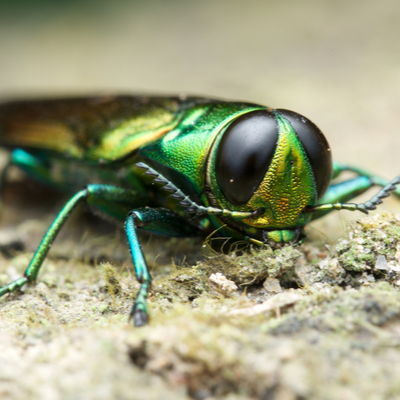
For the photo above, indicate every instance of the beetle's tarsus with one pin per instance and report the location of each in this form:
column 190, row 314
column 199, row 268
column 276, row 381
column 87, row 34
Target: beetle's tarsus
column 383, row 193
column 139, row 315
column 13, row 286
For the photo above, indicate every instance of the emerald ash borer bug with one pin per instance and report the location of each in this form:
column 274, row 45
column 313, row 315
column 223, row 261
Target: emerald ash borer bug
column 181, row 166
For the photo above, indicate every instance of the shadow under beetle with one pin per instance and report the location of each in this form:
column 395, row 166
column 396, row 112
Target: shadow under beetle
column 181, row 166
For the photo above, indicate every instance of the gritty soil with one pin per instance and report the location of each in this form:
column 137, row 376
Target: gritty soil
column 307, row 322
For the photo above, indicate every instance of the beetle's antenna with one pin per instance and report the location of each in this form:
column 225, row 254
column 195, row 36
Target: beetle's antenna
column 188, row 203
column 363, row 207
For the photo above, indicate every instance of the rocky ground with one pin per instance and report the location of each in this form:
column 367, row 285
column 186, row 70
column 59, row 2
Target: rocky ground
column 312, row 322
column 320, row 321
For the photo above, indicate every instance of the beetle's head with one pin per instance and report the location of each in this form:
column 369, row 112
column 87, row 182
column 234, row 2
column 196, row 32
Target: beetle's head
column 276, row 161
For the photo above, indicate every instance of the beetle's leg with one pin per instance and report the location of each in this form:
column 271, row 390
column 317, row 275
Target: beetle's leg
column 368, row 179
column 106, row 197
column 37, row 260
column 371, row 204
column 344, row 191
column 160, row 221
column 34, row 166
column 341, row 193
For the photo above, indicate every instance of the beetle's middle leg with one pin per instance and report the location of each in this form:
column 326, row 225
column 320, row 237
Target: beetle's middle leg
column 162, row 222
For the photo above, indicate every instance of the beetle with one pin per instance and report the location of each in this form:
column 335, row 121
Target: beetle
column 181, row 166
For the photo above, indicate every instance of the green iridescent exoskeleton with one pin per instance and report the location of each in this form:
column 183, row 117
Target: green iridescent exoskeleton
column 180, row 166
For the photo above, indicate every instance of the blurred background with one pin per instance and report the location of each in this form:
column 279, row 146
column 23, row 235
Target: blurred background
column 337, row 62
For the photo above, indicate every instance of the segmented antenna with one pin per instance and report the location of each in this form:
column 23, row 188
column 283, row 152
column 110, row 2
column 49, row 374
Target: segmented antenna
column 187, row 202
column 363, row 207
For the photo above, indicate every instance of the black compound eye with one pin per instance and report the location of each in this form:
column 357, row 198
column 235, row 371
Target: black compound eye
column 245, row 153
column 316, row 147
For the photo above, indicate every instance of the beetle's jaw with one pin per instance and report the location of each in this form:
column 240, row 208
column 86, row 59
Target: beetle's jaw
column 277, row 238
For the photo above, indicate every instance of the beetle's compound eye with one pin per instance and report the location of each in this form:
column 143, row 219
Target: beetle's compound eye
column 316, row 147
column 245, row 153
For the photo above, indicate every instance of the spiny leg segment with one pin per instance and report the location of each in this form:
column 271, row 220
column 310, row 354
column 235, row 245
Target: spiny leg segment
column 193, row 207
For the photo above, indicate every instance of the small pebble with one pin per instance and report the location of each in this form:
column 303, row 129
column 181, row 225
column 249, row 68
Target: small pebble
column 225, row 284
column 381, row 263
column 272, row 286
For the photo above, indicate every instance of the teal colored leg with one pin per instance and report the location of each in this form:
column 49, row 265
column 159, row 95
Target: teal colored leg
column 338, row 194
column 322, row 209
column 96, row 195
column 32, row 165
column 38, row 258
column 160, row 221
column 374, row 180
column 112, row 200
column 344, row 191
column 140, row 311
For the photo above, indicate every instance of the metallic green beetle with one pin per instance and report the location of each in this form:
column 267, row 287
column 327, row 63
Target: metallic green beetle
column 180, row 166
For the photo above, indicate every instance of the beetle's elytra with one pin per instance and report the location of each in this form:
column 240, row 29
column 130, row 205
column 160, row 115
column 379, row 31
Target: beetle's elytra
column 250, row 172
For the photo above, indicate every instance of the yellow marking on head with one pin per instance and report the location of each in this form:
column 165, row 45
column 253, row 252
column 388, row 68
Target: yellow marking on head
column 288, row 185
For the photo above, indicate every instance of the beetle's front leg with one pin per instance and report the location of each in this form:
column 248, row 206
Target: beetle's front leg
column 34, row 266
column 110, row 199
column 162, row 222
